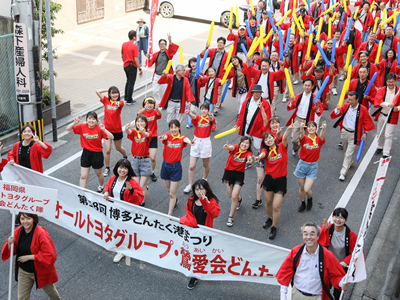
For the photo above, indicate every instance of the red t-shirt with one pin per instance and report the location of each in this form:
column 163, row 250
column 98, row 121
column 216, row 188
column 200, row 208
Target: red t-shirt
column 202, row 129
column 235, row 161
column 276, row 165
column 90, row 137
column 308, row 152
column 112, row 115
column 129, row 50
column 152, row 118
column 173, row 148
column 140, row 146
column 276, row 137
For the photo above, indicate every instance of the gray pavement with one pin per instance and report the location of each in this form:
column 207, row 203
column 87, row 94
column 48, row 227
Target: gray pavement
column 86, row 271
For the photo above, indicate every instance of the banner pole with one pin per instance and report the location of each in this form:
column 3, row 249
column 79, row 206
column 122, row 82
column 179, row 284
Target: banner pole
column 11, row 255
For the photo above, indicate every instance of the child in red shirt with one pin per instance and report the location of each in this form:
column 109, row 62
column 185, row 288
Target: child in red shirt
column 141, row 163
column 92, row 156
column 307, row 167
column 153, row 113
column 234, row 172
column 112, row 121
column 171, row 170
column 275, row 181
column 203, row 148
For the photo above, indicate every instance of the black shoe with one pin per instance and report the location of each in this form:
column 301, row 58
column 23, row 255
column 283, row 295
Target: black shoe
column 385, row 156
column 100, row 189
column 378, row 151
column 340, row 145
column 153, row 177
column 272, row 233
column 267, row 223
column 176, row 204
column 142, row 204
column 239, row 204
column 309, row 203
column 302, row 207
column 215, row 113
column 257, row 204
column 192, row 283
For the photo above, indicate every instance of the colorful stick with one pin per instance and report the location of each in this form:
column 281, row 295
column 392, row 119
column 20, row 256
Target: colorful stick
column 360, row 149
column 228, row 60
column 398, row 51
column 189, row 119
column 321, row 90
column 333, row 50
column 371, row 82
column 348, row 57
column 349, row 73
column 389, row 19
column 252, row 7
column 224, row 93
column 343, row 94
column 318, row 54
column 244, row 49
column 376, row 24
column 321, row 50
column 222, row 134
column 210, row 34
column 309, row 7
column 310, row 38
column 296, row 20
column 319, row 28
column 226, row 74
column 237, row 17
column 341, row 21
column 372, row 6
column 230, row 18
column 330, row 8
column 330, row 28
column 198, row 72
column 168, row 67
column 266, row 52
column 271, row 21
column 346, row 37
column 283, row 18
column 180, row 55
column 203, row 62
column 366, row 37
column 280, row 44
column 378, row 55
column 289, row 82
column 248, row 29
column 287, row 42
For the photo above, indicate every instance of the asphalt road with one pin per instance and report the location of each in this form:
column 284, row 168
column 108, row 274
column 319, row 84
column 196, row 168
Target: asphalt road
column 86, row 271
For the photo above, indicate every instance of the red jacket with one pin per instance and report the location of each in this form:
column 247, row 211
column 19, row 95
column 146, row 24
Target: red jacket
column 311, row 108
column 42, row 247
column 214, row 92
column 295, row 57
column 187, row 95
column 314, row 47
column 309, row 65
column 36, row 153
column 369, row 20
column 197, row 86
column 371, row 93
column 324, row 240
column 357, row 39
column 372, row 70
column 382, row 71
column 211, row 54
column 364, row 121
column 232, row 74
column 382, row 36
column 170, row 51
column 380, row 98
column 326, row 90
column 234, row 38
column 256, row 127
column 211, row 208
column 339, row 52
column 256, row 74
column 333, row 271
column 134, row 196
column 372, row 55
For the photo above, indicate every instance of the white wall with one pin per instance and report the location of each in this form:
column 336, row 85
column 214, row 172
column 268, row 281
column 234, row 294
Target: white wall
column 5, row 6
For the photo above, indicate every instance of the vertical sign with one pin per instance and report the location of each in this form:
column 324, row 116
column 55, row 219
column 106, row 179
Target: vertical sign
column 21, row 65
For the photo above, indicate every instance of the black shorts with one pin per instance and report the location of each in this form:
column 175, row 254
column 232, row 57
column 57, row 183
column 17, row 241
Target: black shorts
column 117, row 135
column 276, row 185
column 92, row 159
column 233, row 177
column 153, row 142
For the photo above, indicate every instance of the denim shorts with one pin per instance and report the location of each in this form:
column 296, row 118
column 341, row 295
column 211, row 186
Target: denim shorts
column 305, row 169
column 172, row 171
column 142, row 166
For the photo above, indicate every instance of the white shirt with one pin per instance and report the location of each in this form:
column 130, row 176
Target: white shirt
column 349, row 121
column 388, row 99
column 302, row 109
column 264, row 24
column 264, row 84
column 337, row 246
column 306, row 278
column 275, row 68
column 210, row 88
column 117, row 189
column 252, row 109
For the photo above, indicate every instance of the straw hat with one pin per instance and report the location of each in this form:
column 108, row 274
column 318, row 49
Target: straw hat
column 141, row 20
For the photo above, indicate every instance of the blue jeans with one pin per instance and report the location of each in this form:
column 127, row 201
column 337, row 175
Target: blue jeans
column 208, row 101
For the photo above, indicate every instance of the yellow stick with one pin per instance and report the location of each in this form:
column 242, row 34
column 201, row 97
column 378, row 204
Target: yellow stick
column 228, row 58
column 298, row 24
column 376, row 24
column 302, row 24
column 378, row 55
column 344, row 90
column 310, row 38
column 345, row 6
column 226, row 74
column 253, row 47
column 293, row 28
column 180, row 55
column 389, row 19
column 294, row 7
column 210, row 34
column 330, row 28
column 284, row 17
column 356, row 13
column 372, row 6
column 350, row 69
column 168, row 67
column 330, row 8
column 384, row 16
column 305, row 3
column 289, row 82
column 348, row 58
column 222, row 134
column 252, row 8
column 237, row 17
column 319, row 53
column 268, row 35
column 319, row 28
column 334, row 16
column 230, row 18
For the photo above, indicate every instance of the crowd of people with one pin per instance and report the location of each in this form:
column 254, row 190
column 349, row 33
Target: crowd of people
column 264, row 63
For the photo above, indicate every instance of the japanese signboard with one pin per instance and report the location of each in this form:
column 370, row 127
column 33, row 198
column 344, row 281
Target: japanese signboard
column 156, row 238
column 357, row 271
column 22, row 83
column 27, row 198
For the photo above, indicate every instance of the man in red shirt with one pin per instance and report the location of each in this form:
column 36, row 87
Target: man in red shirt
column 130, row 57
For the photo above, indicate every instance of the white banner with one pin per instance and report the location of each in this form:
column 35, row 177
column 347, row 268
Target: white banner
column 357, row 271
column 156, row 238
column 27, row 198
column 21, row 63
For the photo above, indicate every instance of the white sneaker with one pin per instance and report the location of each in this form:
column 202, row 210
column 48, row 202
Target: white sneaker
column 187, row 189
column 334, row 91
column 231, row 85
column 341, row 177
column 296, row 82
column 294, row 152
column 118, row 257
column 341, row 78
column 230, row 222
column 284, row 100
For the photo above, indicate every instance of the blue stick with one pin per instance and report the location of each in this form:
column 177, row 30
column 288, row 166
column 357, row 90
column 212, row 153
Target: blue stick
column 244, row 49
column 398, row 49
column 346, row 37
column 280, row 44
column 189, row 119
column 333, row 50
column 321, row 90
column 377, row 41
column 341, row 21
column 198, row 66
column 371, row 82
column 248, row 30
column 323, row 54
column 203, row 62
column 225, row 91
column 395, row 25
column 287, row 41
column 360, row 149
column 353, row 61
column 311, row 28
column 366, row 37
column 322, row 6
column 309, row 7
column 271, row 8
column 271, row 21
column 258, row 17
column 266, row 52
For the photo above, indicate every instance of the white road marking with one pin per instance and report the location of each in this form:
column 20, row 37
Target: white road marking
column 100, row 58
column 64, row 163
column 119, row 63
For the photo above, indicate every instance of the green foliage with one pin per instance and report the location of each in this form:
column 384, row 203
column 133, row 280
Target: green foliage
column 46, row 101
column 54, row 9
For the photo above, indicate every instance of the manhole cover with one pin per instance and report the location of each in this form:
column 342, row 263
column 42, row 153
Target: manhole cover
column 79, row 105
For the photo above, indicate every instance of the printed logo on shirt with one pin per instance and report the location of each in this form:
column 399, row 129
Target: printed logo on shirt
column 207, row 124
column 91, row 136
column 171, row 145
column 239, row 159
column 112, row 107
column 150, row 119
column 141, row 140
column 274, row 158
column 312, row 146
